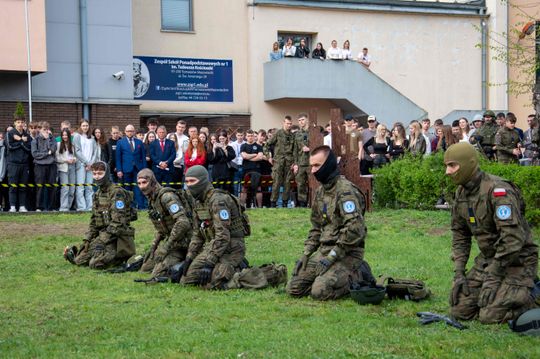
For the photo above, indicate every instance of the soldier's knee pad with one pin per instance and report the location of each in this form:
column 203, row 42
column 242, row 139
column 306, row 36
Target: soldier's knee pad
column 320, row 290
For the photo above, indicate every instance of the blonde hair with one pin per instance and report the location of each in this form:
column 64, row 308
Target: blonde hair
column 416, row 134
column 381, row 130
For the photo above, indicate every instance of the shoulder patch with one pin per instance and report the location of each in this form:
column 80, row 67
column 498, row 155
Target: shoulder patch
column 349, row 207
column 499, row 192
column 120, row 204
column 504, row 212
column 174, row 208
column 224, row 214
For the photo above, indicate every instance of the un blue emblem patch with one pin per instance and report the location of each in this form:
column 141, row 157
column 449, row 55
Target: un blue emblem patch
column 224, row 214
column 504, row 212
column 120, row 205
column 349, row 207
column 174, row 208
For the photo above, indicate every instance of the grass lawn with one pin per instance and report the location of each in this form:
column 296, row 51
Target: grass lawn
column 50, row 308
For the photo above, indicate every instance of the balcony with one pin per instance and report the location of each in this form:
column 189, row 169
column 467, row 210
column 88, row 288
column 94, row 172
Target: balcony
column 349, row 85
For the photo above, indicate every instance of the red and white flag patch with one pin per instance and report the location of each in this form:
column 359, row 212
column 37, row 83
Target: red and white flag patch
column 499, row 192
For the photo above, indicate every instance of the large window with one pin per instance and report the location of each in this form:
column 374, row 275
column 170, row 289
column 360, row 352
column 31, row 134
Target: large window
column 177, row 15
column 283, row 36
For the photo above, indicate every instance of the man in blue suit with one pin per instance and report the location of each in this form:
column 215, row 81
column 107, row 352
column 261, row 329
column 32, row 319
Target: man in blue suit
column 162, row 153
column 130, row 159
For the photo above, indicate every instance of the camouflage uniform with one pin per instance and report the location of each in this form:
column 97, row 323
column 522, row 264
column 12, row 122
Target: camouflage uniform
column 491, row 209
column 171, row 214
column 221, row 226
column 485, row 138
column 506, row 140
column 110, row 237
column 338, row 230
column 354, row 136
column 301, row 159
column 283, row 142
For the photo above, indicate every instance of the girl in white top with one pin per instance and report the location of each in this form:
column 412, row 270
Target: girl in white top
column 465, row 129
column 289, row 50
column 334, row 52
column 65, row 159
column 86, row 152
column 346, row 53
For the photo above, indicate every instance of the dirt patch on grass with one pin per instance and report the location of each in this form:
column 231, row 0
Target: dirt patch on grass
column 29, row 229
column 438, row 231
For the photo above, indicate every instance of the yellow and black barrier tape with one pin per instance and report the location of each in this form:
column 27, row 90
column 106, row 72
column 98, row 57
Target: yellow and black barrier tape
column 50, row 185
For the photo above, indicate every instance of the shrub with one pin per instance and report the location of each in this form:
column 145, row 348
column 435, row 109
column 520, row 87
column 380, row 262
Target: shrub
column 19, row 112
column 418, row 182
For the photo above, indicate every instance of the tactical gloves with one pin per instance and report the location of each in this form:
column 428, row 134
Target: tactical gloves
column 489, row 290
column 324, row 264
column 301, row 264
column 99, row 249
column 461, row 285
column 206, row 274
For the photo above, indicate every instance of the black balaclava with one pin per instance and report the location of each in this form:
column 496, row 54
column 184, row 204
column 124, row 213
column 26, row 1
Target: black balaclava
column 199, row 189
column 106, row 179
column 329, row 170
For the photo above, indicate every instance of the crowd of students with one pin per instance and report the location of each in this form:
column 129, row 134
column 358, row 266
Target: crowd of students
column 332, row 53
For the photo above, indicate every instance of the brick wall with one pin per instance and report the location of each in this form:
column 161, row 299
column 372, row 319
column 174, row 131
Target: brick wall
column 101, row 115
column 214, row 123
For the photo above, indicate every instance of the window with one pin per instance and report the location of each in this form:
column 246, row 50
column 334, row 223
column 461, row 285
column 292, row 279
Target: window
column 283, row 36
column 176, row 15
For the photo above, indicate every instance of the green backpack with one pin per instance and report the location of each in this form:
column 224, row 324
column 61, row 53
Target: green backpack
column 408, row 289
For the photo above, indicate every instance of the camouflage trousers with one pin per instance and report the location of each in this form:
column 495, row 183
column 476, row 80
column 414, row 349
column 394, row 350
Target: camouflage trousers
column 224, row 269
column 100, row 254
column 333, row 284
column 281, row 176
column 302, row 183
column 163, row 259
column 513, row 296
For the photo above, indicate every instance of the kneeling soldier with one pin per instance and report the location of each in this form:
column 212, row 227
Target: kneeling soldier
column 109, row 240
column 498, row 286
column 334, row 249
column 171, row 213
column 217, row 250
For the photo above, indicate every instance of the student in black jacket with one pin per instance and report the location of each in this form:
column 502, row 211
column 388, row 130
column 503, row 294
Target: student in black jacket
column 18, row 146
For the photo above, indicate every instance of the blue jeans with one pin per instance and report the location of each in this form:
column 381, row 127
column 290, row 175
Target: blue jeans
column 237, row 178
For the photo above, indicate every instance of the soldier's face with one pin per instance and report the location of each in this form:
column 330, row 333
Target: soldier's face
column 302, row 122
column 142, row 183
column 97, row 175
column 452, row 168
column 488, row 119
column 287, row 125
column 190, row 181
column 316, row 161
column 510, row 125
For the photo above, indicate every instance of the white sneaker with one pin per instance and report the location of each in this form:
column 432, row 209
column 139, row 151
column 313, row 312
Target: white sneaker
column 38, row 210
column 23, row 209
column 12, row 209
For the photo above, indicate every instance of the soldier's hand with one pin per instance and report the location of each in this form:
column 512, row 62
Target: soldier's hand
column 301, row 264
column 489, row 290
column 461, row 285
column 324, row 264
column 206, row 274
column 99, row 249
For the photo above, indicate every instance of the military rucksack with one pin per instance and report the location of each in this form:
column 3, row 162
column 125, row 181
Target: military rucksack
column 408, row 289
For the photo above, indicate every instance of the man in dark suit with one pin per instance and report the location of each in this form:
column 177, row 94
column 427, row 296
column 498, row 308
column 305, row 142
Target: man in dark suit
column 162, row 153
column 130, row 159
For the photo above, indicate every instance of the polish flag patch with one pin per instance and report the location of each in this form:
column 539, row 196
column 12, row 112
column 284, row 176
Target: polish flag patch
column 499, row 192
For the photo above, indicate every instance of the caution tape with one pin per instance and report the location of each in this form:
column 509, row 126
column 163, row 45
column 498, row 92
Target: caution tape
column 50, row 185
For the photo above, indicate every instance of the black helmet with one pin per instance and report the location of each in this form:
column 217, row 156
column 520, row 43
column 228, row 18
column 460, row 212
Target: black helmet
column 368, row 294
column 527, row 323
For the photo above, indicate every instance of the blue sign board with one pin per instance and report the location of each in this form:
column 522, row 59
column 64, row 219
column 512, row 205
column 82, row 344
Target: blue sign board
column 178, row 79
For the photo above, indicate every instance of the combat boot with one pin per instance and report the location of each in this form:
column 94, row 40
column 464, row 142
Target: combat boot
column 272, row 204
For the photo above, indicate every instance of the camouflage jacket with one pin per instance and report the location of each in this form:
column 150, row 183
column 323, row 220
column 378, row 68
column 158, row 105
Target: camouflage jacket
column 492, row 210
column 485, row 134
column 301, row 139
column 111, row 212
column 337, row 222
column 506, row 141
column 219, row 222
column 283, row 143
column 171, row 213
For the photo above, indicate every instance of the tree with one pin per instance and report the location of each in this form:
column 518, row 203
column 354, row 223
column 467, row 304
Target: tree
column 19, row 113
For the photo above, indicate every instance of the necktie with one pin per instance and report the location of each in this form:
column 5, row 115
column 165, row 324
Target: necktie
column 162, row 145
column 131, row 144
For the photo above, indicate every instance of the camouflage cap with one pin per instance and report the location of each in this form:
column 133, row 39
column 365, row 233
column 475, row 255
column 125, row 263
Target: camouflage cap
column 489, row 113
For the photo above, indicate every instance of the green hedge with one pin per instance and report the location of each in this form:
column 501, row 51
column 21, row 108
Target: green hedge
column 418, row 182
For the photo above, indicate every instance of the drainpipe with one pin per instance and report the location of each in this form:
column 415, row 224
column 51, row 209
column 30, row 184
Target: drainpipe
column 484, row 26
column 84, row 57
